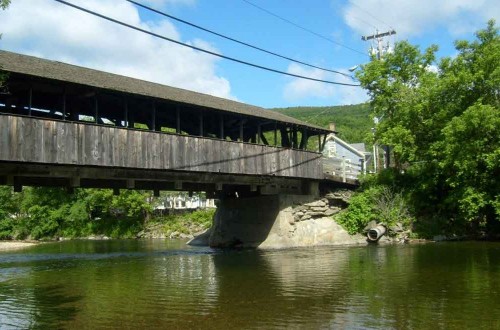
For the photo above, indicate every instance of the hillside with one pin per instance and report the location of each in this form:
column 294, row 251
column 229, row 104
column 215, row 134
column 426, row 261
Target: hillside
column 353, row 121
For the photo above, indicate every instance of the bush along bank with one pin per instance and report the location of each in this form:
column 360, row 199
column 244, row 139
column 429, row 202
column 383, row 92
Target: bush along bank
column 52, row 213
column 184, row 226
column 378, row 204
column 393, row 199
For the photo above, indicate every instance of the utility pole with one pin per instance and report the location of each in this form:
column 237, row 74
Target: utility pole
column 380, row 51
column 379, row 37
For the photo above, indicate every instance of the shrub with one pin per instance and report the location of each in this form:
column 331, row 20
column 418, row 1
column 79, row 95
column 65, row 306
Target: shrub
column 360, row 211
column 390, row 207
column 378, row 202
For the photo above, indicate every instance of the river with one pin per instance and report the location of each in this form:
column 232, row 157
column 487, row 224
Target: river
column 164, row 284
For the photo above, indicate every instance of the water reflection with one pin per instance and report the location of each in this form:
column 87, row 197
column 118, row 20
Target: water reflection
column 164, row 284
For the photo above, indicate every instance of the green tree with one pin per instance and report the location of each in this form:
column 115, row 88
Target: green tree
column 4, row 4
column 466, row 123
column 442, row 121
column 399, row 86
column 470, row 156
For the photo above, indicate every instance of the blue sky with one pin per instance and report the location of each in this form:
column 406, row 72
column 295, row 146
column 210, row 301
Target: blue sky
column 51, row 30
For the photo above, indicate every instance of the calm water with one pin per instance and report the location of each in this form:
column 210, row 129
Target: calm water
column 166, row 284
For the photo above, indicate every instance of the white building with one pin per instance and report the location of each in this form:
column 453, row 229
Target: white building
column 343, row 159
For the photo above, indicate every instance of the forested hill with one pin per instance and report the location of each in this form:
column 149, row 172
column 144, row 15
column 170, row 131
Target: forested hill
column 353, row 121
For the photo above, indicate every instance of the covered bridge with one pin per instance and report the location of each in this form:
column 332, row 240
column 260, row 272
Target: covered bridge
column 66, row 125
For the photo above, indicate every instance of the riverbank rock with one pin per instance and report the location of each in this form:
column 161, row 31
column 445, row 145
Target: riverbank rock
column 200, row 239
column 311, row 224
column 313, row 232
column 153, row 231
column 96, row 237
column 159, row 230
column 15, row 245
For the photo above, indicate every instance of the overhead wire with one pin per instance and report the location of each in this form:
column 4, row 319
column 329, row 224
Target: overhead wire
column 370, row 14
column 303, row 28
column 88, row 11
column 361, row 20
column 235, row 40
column 317, row 115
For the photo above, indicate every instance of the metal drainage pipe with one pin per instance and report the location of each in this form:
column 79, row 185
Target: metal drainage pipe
column 375, row 233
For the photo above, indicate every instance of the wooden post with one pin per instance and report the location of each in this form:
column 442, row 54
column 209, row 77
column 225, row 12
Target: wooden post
column 285, row 138
column 201, row 123
column 303, row 140
column 96, row 108
column 64, row 104
column 178, row 119
column 221, row 125
column 264, row 140
column 319, row 142
column 259, row 132
column 30, row 100
column 125, row 110
column 153, row 117
column 241, row 130
column 324, row 142
column 294, row 137
column 275, row 133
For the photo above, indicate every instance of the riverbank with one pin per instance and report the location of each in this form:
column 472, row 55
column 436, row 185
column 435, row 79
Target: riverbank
column 15, row 245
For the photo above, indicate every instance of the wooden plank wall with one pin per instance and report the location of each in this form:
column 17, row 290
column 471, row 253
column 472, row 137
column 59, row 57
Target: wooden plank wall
column 24, row 139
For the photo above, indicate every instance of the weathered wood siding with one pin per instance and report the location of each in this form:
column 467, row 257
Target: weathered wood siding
column 24, row 139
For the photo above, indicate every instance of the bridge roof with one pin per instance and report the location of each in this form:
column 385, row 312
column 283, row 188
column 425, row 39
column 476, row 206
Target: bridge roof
column 54, row 70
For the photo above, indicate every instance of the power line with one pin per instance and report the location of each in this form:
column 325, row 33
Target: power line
column 199, row 49
column 363, row 21
column 303, row 28
column 234, row 40
column 339, row 8
column 369, row 14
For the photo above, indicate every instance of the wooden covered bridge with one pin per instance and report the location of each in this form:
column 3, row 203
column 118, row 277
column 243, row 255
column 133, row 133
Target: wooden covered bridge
column 64, row 125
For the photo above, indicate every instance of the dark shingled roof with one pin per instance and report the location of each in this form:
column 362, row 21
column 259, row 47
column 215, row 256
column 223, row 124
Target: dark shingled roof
column 38, row 67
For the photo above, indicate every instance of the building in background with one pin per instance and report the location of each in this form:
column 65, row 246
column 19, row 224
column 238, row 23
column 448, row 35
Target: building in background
column 343, row 159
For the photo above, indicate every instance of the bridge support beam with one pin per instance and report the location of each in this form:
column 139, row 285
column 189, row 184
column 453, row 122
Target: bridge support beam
column 263, row 221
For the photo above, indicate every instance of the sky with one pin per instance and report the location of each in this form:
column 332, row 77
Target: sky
column 323, row 33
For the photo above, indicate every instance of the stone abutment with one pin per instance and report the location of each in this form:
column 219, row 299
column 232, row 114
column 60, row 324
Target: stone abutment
column 279, row 221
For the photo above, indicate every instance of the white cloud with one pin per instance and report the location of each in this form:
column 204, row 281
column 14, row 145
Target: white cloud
column 51, row 30
column 415, row 17
column 163, row 3
column 299, row 89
